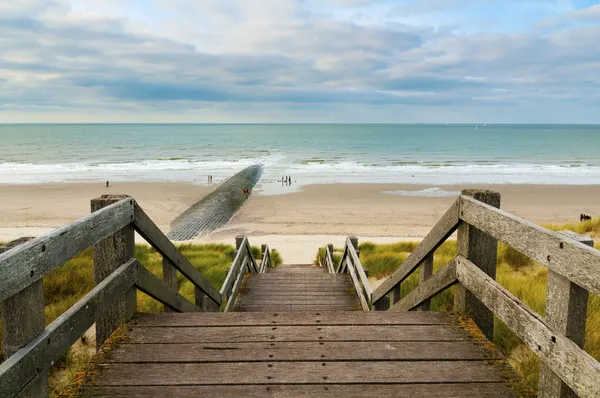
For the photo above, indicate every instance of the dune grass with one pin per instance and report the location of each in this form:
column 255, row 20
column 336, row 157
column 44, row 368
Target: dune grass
column 67, row 284
column 516, row 272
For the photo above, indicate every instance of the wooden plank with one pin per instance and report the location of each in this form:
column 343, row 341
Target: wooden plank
column 25, row 264
column 231, row 276
column 249, row 292
column 155, row 237
column 448, row 390
column 298, row 319
column 48, row 346
column 440, row 232
column 236, row 288
column 548, row 248
column 252, row 267
column 22, row 320
column 574, row 366
column 481, row 249
column 169, row 277
column 298, row 373
column 297, row 307
column 439, row 282
column 329, row 258
column 297, row 333
column 148, row 283
column 243, row 301
column 361, row 272
column 425, row 272
column 566, row 311
column 109, row 255
column 303, row 351
column 266, row 259
column 357, row 286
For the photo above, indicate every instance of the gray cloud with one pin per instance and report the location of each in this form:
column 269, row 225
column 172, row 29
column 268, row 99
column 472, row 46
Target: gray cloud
column 54, row 58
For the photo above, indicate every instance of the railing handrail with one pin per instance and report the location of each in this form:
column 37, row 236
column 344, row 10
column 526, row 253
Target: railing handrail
column 25, row 365
column 27, row 263
column 329, row 259
column 23, row 267
column 244, row 260
column 568, row 258
column 350, row 263
column 159, row 241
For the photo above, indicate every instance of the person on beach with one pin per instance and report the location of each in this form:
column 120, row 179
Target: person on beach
column 107, row 184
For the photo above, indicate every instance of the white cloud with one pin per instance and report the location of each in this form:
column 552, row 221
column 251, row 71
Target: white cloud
column 175, row 57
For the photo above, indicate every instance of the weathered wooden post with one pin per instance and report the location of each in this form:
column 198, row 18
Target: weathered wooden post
column 481, row 249
column 566, row 310
column 263, row 250
column 354, row 241
column 22, row 321
column 330, row 247
column 425, row 271
column 170, row 278
column 110, row 254
column 395, row 295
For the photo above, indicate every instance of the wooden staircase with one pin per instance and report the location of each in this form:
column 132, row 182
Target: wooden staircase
column 297, row 288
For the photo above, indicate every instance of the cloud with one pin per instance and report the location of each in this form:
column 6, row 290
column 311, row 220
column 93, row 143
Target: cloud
column 285, row 59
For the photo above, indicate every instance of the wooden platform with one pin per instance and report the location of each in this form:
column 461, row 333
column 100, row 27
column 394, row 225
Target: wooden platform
column 297, row 288
column 301, row 354
column 273, row 348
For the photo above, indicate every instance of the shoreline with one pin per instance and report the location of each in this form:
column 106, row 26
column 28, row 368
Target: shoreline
column 310, row 215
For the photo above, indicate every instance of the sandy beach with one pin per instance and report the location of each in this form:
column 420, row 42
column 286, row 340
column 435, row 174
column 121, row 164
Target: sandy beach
column 295, row 223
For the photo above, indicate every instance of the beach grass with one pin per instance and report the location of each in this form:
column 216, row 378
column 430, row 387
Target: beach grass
column 67, row 284
column 516, row 272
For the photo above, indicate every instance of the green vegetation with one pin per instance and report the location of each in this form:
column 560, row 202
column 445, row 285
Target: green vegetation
column 67, row 284
column 519, row 274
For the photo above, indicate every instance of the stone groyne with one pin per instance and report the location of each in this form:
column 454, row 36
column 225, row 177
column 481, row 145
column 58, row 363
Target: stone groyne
column 217, row 208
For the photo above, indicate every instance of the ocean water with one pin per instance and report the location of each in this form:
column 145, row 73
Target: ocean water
column 410, row 153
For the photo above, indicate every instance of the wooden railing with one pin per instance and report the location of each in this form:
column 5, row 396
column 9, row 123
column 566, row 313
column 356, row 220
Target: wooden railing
column 30, row 348
column 243, row 263
column 574, row 270
column 350, row 263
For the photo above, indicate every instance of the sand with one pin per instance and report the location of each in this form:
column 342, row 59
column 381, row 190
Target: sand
column 295, row 223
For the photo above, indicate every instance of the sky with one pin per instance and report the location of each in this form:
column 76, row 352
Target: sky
column 291, row 61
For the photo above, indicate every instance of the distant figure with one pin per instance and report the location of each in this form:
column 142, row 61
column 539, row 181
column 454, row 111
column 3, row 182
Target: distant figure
column 584, row 217
column 107, row 184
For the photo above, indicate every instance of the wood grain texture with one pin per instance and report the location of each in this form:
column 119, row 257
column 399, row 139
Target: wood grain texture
column 298, row 333
column 297, row 319
column 109, row 254
column 364, row 301
column 566, row 311
column 439, row 282
column 329, row 258
column 574, row 366
column 302, row 351
column 25, row 264
column 148, row 283
column 425, row 272
column 448, row 390
column 236, row 288
column 551, row 249
column 48, row 346
column 118, row 374
column 360, row 271
column 481, row 249
column 440, row 232
column 237, row 264
column 169, row 277
column 155, row 237
column 22, row 321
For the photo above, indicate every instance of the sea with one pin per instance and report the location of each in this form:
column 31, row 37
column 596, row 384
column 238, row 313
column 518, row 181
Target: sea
column 430, row 154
